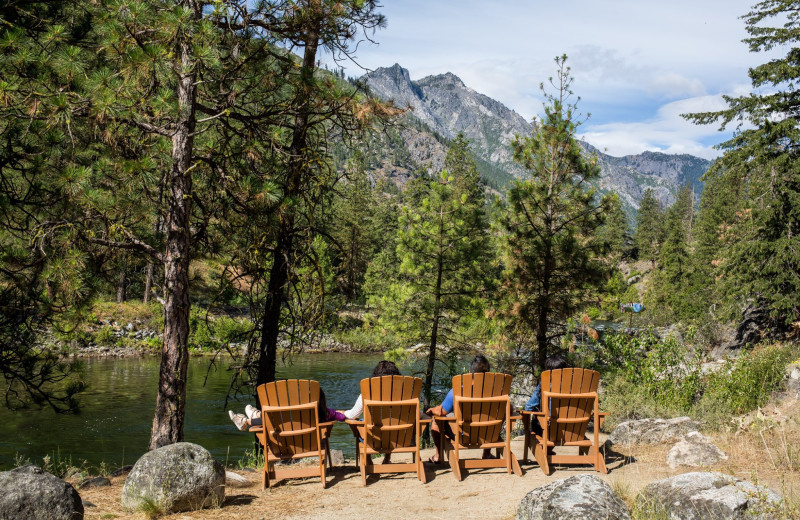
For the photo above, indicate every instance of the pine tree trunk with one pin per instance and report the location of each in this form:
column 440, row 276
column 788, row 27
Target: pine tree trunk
column 284, row 247
column 171, row 399
column 148, row 282
column 121, row 286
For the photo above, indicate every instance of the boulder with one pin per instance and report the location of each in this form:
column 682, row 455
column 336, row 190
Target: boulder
column 31, row 492
column 652, row 431
column 583, row 496
column 706, row 496
column 694, row 450
column 178, row 477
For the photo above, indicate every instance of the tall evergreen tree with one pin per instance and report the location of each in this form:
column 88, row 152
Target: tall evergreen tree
column 442, row 248
column 551, row 253
column 649, row 227
column 763, row 260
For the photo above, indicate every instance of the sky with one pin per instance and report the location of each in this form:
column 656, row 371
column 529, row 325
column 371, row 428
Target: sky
column 637, row 65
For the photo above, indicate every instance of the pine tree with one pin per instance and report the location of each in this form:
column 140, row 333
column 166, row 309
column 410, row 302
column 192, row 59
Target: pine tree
column 649, row 227
column 442, row 249
column 551, row 254
column 615, row 229
column 762, row 260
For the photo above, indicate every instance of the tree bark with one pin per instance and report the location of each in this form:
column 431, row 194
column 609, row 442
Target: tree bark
column 148, row 282
column 171, row 399
column 284, row 246
column 122, row 282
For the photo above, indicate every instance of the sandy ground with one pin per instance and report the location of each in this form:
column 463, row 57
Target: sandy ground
column 483, row 494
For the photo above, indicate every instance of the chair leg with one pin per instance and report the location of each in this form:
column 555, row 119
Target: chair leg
column 265, row 474
column 363, row 465
column 328, row 454
column 540, row 454
column 455, row 465
column 322, row 475
column 515, row 465
column 600, row 462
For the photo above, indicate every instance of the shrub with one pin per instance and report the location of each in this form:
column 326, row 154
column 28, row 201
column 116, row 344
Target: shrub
column 747, row 382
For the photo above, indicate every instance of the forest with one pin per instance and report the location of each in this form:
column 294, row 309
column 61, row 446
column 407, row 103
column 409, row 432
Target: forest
column 192, row 164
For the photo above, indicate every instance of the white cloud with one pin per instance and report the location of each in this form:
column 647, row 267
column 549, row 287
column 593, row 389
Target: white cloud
column 667, row 132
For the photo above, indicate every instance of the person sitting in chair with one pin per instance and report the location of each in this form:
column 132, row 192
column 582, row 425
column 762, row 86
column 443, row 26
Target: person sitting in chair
column 534, row 404
column 479, row 365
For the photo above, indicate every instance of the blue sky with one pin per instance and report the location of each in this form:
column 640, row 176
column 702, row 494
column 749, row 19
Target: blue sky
column 637, row 64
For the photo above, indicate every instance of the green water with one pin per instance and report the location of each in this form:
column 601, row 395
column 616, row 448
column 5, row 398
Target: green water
column 116, row 414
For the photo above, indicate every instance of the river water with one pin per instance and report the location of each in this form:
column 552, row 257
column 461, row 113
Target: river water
column 116, row 414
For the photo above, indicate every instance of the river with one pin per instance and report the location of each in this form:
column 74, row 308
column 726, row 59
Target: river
column 116, row 414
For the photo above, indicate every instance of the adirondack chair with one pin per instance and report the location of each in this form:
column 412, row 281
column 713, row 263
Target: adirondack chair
column 569, row 402
column 481, row 407
column 391, row 424
column 291, row 429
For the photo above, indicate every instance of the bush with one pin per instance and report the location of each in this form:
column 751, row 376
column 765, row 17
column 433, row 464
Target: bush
column 747, row 382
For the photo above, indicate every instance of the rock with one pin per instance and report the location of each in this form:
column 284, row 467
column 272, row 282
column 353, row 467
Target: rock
column 337, row 458
column 652, row 431
column 94, row 482
column 756, row 324
column 582, row 496
column 30, row 492
column 694, row 450
column 234, row 480
column 178, row 477
column 793, row 379
column 634, row 279
column 706, row 496
column 124, row 470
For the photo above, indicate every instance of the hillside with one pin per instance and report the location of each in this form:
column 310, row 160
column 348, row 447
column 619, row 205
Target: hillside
column 442, row 106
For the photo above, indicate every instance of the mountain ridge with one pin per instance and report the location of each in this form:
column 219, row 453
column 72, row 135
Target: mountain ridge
column 447, row 106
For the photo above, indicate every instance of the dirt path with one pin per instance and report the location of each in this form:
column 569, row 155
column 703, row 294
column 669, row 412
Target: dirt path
column 483, row 494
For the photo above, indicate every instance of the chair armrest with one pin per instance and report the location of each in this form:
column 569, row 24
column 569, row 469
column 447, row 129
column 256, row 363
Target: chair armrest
column 444, row 418
column 426, row 421
column 354, row 422
column 256, row 429
column 515, row 417
column 526, row 412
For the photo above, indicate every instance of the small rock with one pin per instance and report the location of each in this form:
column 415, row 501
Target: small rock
column 694, row 450
column 337, row 458
column 706, row 496
column 94, row 482
column 236, row 481
column 583, row 496
column 124, row 470
column 88, row 504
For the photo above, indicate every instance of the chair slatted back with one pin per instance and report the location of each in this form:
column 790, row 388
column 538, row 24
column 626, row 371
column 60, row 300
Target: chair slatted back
column 289, row 415
column 480, row 406
column 569, row 415
column 391, row 409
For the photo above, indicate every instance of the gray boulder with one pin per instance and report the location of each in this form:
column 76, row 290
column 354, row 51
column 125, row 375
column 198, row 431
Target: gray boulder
column 652, row 431
column 30, row 492
column 178, row 477
column 582, row 496
column 694, row 450
column 706, row 496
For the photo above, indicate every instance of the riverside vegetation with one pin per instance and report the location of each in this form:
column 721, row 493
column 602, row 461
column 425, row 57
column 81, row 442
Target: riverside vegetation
column 246, row 212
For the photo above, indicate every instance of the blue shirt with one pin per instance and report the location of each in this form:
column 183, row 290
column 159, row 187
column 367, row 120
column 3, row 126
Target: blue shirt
column 534, row 404
column 447, row 404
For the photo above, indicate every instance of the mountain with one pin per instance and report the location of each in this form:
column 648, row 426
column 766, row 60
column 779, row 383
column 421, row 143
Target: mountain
column 444, row 106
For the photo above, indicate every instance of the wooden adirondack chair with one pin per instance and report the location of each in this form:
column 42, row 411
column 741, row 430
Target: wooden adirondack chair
column 569, row 402
column 482, row 407
column 291, row 429
column 391, row 424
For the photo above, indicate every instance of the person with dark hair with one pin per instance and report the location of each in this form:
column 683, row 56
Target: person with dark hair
column 252, row 415
column 554, row 362
column 534, row 404
column 478, row 365
column 383, row 368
